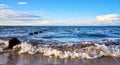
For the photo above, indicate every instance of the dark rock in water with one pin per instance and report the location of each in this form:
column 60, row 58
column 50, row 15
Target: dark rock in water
column 31, row 33
column 36, row 32
column 13, row 42
column 40, row 31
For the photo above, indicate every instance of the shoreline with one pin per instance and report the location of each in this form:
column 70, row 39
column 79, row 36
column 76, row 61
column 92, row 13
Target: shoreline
column 12, row 58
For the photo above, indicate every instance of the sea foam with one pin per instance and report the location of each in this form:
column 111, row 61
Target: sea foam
column 3, row 45
column 82, row 50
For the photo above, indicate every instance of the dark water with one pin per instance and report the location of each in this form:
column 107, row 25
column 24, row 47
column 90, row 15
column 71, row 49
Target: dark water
column 61, row 33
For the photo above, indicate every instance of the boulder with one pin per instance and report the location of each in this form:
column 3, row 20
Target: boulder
column 12, row 42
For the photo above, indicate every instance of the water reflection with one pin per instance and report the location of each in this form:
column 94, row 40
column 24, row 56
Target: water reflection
column 12, row 58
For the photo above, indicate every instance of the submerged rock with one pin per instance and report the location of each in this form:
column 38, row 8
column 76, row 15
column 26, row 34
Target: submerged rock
column 36, row 32
column 31, row 33
column 40, row 31
column 12, row 42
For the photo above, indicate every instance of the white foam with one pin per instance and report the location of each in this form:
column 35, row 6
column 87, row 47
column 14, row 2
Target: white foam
column 68, row 50
column 91, row 52
column 3, row 45
column 27, row 48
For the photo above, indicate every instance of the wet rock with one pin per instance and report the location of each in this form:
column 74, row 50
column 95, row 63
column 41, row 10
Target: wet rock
column 13, row 42
column 31, row 33
column 36, row 32
column 40, row 31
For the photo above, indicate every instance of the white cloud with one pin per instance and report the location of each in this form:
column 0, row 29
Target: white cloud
column 102, row 20
column 66, row 23
column 108, row 17
column 22, row 3
column 14, row 15
column 33, row 23
column 44, row 22
column 8, row 14
column 3, row 6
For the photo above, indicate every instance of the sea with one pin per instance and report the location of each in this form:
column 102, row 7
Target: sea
column 60, row 45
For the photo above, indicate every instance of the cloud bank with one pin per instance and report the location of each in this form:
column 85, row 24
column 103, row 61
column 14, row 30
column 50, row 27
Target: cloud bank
column 109, row 17
column 100, row 20
column 10, row 16
column 3, row 6
column 14, row 15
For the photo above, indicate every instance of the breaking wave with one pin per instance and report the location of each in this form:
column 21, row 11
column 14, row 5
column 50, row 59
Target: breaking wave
column 83, row 50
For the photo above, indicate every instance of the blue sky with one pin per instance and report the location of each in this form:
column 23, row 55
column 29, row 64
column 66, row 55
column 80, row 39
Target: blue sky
column 60, row 12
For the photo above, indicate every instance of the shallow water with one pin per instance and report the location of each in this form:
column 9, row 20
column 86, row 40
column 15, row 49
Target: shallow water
column 37, row 59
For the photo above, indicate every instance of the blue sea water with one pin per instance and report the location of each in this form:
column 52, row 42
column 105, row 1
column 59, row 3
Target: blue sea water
column 61, row 33
column 82, row 42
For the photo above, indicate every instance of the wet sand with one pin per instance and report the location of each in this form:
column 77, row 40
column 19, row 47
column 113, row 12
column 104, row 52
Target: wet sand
column 11, row 58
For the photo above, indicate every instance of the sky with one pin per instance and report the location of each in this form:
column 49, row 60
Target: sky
column 60, row 12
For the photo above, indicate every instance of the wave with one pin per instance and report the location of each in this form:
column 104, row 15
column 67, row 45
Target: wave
column 99, row 33
column 92, row 34
column 83, row 50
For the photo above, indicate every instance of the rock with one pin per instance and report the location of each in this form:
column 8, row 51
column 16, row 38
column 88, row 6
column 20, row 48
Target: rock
column 13, row 42
column 40, row 31
column 31, row 33
column 36, row 32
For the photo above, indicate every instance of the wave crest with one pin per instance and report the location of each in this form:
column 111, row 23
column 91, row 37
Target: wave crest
column 82, row 50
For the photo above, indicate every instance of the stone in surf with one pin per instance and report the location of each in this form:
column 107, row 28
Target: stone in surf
column 36, row 32
column 12, row 42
